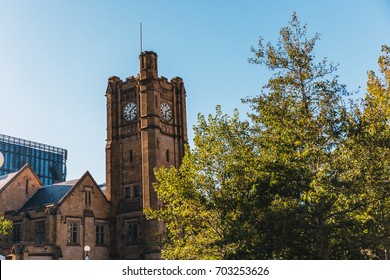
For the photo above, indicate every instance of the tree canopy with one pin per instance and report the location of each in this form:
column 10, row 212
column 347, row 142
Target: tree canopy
column 305, row 177
column 5, row 226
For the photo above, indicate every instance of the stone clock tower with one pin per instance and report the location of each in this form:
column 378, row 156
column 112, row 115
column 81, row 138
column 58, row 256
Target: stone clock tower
column 146, row 128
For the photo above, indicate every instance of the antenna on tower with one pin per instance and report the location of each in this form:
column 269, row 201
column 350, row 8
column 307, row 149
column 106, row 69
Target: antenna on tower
column 140, row 35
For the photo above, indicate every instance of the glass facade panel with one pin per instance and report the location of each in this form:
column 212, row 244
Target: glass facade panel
column 48, row 162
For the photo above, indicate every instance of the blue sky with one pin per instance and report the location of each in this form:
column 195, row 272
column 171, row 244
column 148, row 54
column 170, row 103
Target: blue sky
column 56, row 56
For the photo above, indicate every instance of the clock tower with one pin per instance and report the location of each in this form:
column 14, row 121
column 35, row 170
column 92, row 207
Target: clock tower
column 146, row 128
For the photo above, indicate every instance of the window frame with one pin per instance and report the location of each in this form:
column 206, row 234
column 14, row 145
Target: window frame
column 136, row 192
column 16, row 233
column 40, row 232
column 73, row 233
column 131, row 156
column 167, row 156
column 128, row 192
column 88, row 196
column 100, row 230
column 132, row 237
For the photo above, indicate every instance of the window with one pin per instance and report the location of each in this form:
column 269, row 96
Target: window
column 132, row 234
column 88, row 192
column 73, row 233
column 167, row 155
column 27, row 186
column 131, row 155
column 99, row 234
column 136, row 191
column 16, row 233
column 132, row 192
column 40, row 232
column 127, row 193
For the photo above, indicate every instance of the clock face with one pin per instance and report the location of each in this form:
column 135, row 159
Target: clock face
column 166, row 111
column 130, row 111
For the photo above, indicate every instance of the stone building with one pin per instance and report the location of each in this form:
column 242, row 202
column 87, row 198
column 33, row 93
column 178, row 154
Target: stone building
column 16, row 188
column 146, row 128
column 58, row 220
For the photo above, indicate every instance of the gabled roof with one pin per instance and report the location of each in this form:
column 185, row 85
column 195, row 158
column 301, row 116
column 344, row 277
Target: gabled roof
column 55, row 194
column 51, row 194
column 6, row 180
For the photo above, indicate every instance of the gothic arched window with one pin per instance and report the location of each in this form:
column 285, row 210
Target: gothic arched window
column 73, row 232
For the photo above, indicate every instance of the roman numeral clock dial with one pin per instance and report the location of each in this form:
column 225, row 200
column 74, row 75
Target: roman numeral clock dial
column 130, row 111
column 166, row 111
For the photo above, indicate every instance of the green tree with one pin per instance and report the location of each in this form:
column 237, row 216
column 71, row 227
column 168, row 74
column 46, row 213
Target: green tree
column 366, row 159
column 207, row 198
column 300, row 121
column 5, row 226
column 304, row 179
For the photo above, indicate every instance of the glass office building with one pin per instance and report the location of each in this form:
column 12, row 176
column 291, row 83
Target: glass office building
column 48, row 162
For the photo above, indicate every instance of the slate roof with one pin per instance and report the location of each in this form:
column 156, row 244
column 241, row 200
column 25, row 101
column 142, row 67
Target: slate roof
column 51, row 194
